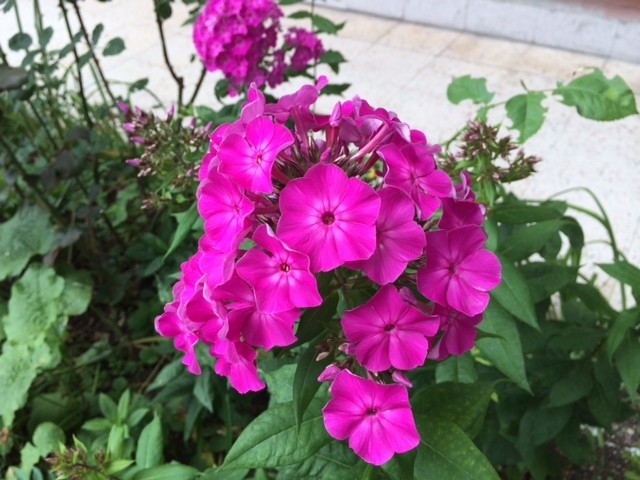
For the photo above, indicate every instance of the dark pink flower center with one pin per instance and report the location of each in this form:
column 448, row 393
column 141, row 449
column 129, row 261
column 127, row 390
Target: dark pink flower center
column 389, row 327
column 259, row 159
column 328, row 218
column 370, row 412
column 285, row 267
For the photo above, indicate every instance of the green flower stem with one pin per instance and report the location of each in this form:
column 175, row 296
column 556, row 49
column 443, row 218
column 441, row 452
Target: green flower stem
column 85, row 34
column 203, row 73
column 165, row 54
column 85, row 105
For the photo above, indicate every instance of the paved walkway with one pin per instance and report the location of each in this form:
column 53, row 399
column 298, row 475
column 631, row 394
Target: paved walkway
column 406, row 68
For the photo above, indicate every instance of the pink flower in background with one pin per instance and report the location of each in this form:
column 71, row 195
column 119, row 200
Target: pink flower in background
column 307, row 47
column 459, row 272
column 235, row 36
column 377, row 419
column 413, row 169
column 249, row 160
column 279, row 276
column 389, row 332
column 170, row 325
column 398, row 238
column 237, row 361
column 329, row 217
column 458, row 213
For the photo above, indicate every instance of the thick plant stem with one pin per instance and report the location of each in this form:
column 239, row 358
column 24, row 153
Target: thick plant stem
column 85, row 105
column 203, row 73
column 85, row 34
column 13, row 160
column 165, row 54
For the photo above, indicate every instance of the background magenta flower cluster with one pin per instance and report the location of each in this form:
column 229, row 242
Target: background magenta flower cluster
column 239, row 38
column 287, row 194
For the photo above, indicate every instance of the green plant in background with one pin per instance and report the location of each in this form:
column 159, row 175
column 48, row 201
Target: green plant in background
column 571, row 356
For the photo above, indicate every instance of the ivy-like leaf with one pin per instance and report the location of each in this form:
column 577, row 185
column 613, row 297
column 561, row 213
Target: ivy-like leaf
column 20, row 41
column 526, row 113
column 97, row 31
column 272, row 439
column 469, row 88
column 597, row 97
column 627, row 359
column 26, row 234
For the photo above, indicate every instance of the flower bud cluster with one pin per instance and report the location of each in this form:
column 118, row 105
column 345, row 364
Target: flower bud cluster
column 286, row 195
column 239, row 38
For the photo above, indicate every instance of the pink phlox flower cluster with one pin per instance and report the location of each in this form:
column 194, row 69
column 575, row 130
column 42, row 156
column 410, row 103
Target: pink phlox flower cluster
column 240, row 37
column 357, row 196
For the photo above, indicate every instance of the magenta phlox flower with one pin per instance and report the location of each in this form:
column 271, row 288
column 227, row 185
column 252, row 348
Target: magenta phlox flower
column 237, row 361
column 463, row 190
column 329, row 217
column 225, row 210
column 377, row 419
column 389, row 332
column 459, row 333
column 249, row 160
column 266, row 330
column 458, row 213
column 297, row 105
column 413, row 169
column 459, row 272
column 210, row 159
column 190, row 279
column 399, row 239
column 170, row 325
column 279, row 276
column 254, row 106
column 217, row 265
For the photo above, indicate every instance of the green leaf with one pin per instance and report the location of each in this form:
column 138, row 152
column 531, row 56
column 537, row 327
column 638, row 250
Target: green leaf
column 279, row 383
column 48, row 437
column 123, row 406
column 97, row 425
column 20, row 41
column 513, row 294
column 34, row 305
column 313, row 320
column 528, row 240
column 469, row 88
column 272, row 439
column 44, row 37
column 305, row 381
column 627, row 359
column 117, row 466
column 575, row 385
column 168, row 373
column 460, row 369
column 76, row 295
column 623, row 272
column 186, row 221
column 12, row 78
column 324, row 25
column 149, row 449
column 139, row 84
column 335, row 461
column 518, row 213
column 526, row 113
column 445, row 452
column 97, row 31
column 539, row 425
column 332, row 58
column 618, row 331
column 17, row 372
column 597, row 97
column 108, row 407
column 114, row 47
column 335, row 88
column 26, row 234
column 289, row 2
column 115, row 442
column 505, row 353
column 546, row 278
column 464, row 404
column 216, row 474
column 203, row 389
column 171, row 471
